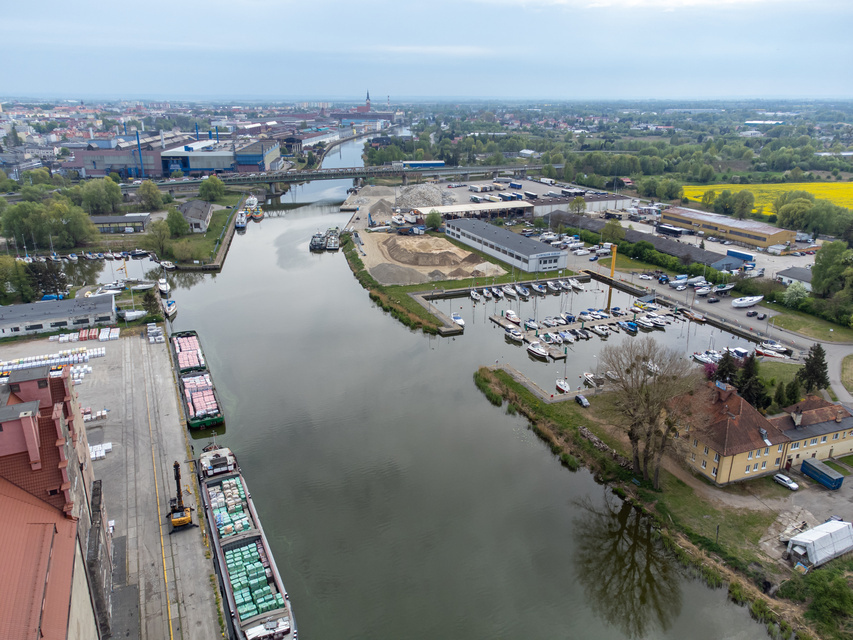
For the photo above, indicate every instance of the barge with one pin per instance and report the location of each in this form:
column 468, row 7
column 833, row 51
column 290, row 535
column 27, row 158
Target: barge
column 258, row 607
column 201, row 403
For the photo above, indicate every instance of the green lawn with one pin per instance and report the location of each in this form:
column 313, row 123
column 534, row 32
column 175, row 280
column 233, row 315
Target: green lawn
column 809, row 325
column 776, row 372
column 837, row 467
column 201, row 245
column 847, row 373
column 848, row 460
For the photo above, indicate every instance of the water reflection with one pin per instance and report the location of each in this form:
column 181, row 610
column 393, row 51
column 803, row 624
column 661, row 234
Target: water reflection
column 629, row 580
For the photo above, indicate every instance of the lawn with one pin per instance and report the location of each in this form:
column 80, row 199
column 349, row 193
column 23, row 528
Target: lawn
column 772, row 373
column 809, row 326
column 847, row 373
column 837, row 467
column 202, row 245
column 848, row 460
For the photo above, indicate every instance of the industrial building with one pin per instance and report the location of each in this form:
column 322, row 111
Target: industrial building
column 131, row 223
column 53, row 315
column 511, row 248
column 748, row 232
column 122, row 155
column 508, row 209
column 264, row 155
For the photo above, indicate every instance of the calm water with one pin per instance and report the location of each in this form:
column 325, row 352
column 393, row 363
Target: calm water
column 399, row 503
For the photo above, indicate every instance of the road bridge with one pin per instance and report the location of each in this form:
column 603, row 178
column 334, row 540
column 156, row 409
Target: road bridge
column 357, row 174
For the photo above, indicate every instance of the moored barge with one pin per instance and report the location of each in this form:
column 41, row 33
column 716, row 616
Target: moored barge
column 201, row 403
column 258, row 607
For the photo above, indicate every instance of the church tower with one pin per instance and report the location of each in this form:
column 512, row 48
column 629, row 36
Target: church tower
column 367, row 102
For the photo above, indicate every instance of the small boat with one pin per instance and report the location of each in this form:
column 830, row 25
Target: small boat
column 770, row 353
column 645, row 323
column 703, row 291
column 631, row 328
column 514, row 334
column 583, row 333
column 693, row 315
column 108, row 255
column 241, row 221
column 658, row 322
column 616, row 311
column 164, row 287
column 168, row 266
column 577, row 286
column 523, row 291
column 547, row 339
column 615, row 328
column 652, row 368
column 511, row 315
column 318, row 242
column 457, row 319
column 143, row 286
column 539, row 288
column 509, row 291
column 599, row 331
column 138, row 254
column 101, row 256
column 773, row 345
column 563, row 385
column 72, row 257
column 486, row 293
column 536, row 349
column 133, row 314
column 738, row 352
column 554, row 337
column 553, row 286
column 584, row 316
column 564, row 285
column 593, row 379
column 612, row 376
column 475, row 295
column 707, row 357
column 567, row 337
column 89, row 256
column 548, row 321
column 54, row 258
column 170, row 308
column 602, row 313
column 497, row 293
column 747, row 301
column 722, row 288
column 531, row 324
column 568, row 318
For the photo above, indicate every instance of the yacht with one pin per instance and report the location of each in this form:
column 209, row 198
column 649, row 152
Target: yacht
column 475, row 295
column 511, row 315
column 536, row 349
column 457, row 319
column 509, row 291
column 514, row 335
column 531, row 324
column 747, row 301
column 523, row 291
column 164, row 287
column 563, row 385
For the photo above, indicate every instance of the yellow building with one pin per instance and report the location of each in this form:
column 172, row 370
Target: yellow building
column 749, row 232
column 816, row 428
column 727, row 439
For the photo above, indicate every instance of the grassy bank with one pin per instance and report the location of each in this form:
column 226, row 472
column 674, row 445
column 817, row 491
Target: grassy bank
column 688, row 523
column 809, row 326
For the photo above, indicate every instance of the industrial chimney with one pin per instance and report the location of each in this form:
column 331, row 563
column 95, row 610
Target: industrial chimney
column 162, row 140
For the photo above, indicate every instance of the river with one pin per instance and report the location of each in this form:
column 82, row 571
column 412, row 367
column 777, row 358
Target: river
column 399, row 503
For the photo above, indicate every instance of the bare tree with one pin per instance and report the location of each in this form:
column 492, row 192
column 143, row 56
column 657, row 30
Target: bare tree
column 647, row 376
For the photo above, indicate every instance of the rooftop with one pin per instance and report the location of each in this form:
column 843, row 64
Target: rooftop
column 728, row 221
column 59, row 309
column 474, row 208
column 796, row 273
column 507, row 239
column 813, row 417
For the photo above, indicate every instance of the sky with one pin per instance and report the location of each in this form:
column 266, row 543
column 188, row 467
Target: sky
column 443, row 49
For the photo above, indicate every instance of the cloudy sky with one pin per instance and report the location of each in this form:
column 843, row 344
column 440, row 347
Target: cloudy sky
column 326, row 49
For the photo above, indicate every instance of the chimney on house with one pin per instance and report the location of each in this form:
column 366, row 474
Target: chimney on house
column 838, row 415
column 797, row 417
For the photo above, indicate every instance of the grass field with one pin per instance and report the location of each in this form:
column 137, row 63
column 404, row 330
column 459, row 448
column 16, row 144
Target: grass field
column 840, row 193
column 837, row 467
column 810, row 326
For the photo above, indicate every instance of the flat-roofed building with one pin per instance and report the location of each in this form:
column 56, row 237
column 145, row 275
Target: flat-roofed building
column 54, row 315
column 796, row 274
column 120, row 224
column 508, row 209
column 512, row 248
column 749, row 232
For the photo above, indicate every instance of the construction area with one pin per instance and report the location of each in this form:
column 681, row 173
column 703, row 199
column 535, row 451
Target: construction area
column 411, row 259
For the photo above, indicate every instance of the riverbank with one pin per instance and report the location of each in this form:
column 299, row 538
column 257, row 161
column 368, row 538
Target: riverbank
column 594, row 446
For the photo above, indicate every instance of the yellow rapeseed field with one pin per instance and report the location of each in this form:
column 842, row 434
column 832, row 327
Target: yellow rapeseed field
column 840, row 193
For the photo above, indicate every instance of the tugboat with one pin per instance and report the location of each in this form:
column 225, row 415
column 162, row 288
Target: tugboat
column 318, row 242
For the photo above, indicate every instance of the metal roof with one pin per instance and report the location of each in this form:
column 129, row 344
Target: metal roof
column 506, row 239
column 55, row 309
column 727, row 221
column 796, row 273
column 475, row 207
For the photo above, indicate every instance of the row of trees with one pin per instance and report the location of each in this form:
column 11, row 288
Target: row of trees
column 38, row 225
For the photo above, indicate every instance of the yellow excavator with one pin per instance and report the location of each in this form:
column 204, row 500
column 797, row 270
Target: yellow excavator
column 179, row 515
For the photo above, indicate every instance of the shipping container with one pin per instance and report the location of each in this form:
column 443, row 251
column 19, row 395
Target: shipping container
column 817, row 470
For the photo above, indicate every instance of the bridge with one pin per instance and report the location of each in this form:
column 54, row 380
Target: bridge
column 357, row 174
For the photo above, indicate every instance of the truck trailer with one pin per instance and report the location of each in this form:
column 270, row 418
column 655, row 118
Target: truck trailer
column 817, row 470
column 743, row 255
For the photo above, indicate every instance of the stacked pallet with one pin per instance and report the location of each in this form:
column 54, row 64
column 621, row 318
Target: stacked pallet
column 189, row 352
column 253, row 591
column 199, row 397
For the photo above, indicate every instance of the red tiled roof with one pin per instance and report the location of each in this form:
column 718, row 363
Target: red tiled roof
column 16, row 467
column 729, row 424
column 37, row 565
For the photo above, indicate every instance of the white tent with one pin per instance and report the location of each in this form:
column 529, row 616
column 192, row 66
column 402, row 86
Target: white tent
column 821, row 544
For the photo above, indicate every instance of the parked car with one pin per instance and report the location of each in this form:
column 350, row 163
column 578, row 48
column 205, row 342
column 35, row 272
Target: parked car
column 713, row 299
column 681, row 287
column 645, row 276
column 785, row 481
column 593, row 258
column 751, row 313
column 796, row 253
column 582, row 401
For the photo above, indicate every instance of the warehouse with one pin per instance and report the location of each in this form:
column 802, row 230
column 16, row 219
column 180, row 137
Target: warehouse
column 509, row 209
column 131, row 223
column 513, row 249
column 748, row 232
column 54, row 315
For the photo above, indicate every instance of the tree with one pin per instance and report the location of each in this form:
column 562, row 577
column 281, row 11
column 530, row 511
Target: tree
column 158, row 237
column 743, row 204
column 814, row 375
column 433, row 220
column 612, row 232
column 114, row 177
column 101, row 196
column 749, row 385
column 177, row 174
column 149, row 196
column 578, row 205
column 648, row 376
column 178, row 225
column 795, row 294
column 727, row 369
column 150, row 303
column 211, row 189
column 828, row 266
column 779, row 398
column 793, row 391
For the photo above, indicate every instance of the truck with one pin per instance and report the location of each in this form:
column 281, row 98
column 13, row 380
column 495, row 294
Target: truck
column 515, row 185
column 743, row 255
column 817, row 470
column 546, row 180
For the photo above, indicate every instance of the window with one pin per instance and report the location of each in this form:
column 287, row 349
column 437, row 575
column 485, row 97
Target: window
column 695, row 442
column 42, row 384
column 706, row 451
column 835, row 436
column 813, row 441
column 714, row 472
column 764, row 464
column 15, row 387
column 33, row 327
column 747, row 468
column 716, row 457
column 766, row 451
column 704, row 464
column 755, row 467
column 59, row 323
column 692, row 457
column 779, row 449
column 823, row 440
column 749, row 457
column 796, row 445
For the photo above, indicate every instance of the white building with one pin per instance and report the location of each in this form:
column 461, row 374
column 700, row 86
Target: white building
column 796, row 274
column 513, row 249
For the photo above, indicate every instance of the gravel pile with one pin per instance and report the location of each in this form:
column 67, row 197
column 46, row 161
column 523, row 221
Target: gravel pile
column 423, row 195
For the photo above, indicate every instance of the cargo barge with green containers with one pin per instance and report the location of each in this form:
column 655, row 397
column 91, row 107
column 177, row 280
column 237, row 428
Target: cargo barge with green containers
column 201, row 404
column 256, row 602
